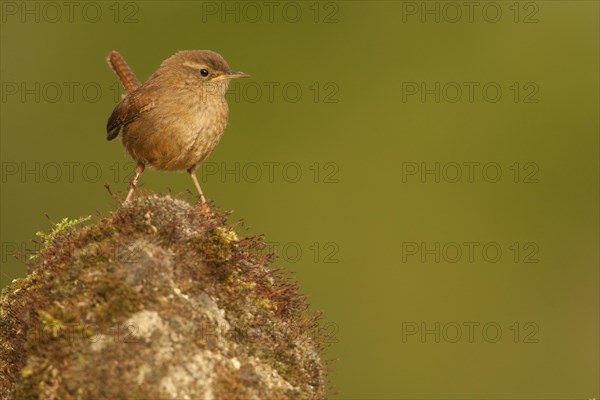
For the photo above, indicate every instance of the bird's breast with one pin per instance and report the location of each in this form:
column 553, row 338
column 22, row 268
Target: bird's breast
column 201, row 134
column 179, row 135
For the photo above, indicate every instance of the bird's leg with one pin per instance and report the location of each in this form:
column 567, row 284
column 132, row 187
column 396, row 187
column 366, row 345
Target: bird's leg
column 203, row 204
column 133, row 185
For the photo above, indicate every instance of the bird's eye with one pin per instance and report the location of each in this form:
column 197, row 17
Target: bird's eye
column 204, row 72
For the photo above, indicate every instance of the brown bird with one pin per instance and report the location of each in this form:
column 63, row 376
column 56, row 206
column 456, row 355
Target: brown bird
column 174, row 121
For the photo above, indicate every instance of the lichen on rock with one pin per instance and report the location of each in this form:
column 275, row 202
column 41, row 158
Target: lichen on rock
column 157, row 300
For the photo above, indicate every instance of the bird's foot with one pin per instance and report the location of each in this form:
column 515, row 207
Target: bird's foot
column 204, row 208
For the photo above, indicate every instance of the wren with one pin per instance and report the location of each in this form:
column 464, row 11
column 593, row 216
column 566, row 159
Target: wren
column 173, row 121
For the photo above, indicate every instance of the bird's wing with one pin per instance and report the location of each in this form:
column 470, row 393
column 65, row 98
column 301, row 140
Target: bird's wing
column 129, row 109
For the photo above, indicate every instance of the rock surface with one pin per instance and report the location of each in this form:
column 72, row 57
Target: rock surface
column 157, row 300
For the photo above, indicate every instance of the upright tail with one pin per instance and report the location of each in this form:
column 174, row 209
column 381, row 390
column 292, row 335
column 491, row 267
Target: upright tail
column 121, row 69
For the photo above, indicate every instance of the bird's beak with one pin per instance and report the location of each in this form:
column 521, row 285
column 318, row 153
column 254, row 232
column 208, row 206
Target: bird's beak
column 230, row 75
column 234, row 74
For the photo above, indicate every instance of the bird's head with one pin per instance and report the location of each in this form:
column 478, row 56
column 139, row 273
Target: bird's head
column 200, row 69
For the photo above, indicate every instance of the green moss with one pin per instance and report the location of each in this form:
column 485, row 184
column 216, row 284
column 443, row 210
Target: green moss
column 114, row 299
column 51, row 323
column 150, row 254
column 217, row 247
column 60, row 228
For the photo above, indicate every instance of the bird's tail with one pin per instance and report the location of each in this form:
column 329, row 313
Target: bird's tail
column 121, row 69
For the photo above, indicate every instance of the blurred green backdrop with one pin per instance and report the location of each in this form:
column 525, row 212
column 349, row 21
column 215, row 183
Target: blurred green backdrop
column 328, row 152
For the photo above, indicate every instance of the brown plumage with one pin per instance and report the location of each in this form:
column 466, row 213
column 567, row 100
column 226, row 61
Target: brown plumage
column 174, row 121
column 122, row 70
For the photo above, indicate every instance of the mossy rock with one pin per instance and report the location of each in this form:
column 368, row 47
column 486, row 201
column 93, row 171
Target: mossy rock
column 157, row 300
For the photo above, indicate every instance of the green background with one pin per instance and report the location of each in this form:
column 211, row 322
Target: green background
column 361, row 207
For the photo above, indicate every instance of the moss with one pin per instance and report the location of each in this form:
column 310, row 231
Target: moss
column 114, row 299
column 198, row 285
column 59, row 229
column 51, row 323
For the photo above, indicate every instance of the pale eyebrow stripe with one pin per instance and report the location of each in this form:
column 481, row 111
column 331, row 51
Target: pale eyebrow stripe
column 194, row 65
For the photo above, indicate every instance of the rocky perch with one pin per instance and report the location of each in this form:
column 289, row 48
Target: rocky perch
column 157, row 300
